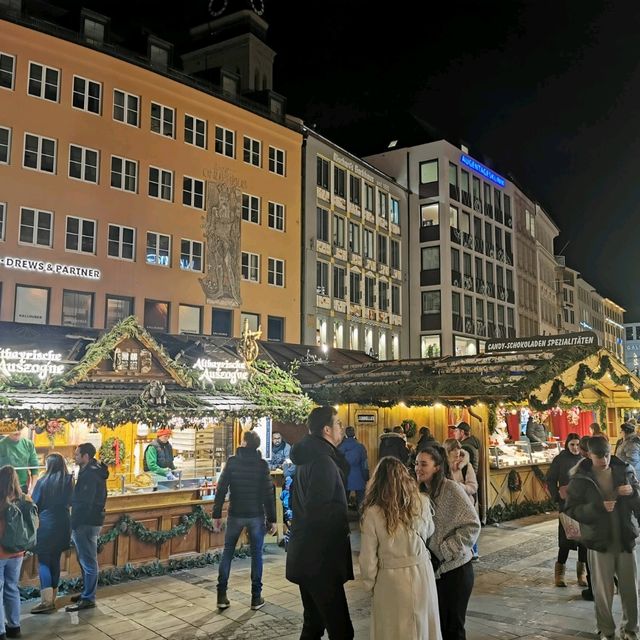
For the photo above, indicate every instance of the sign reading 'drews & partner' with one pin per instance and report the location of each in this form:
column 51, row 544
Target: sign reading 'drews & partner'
column 213, row 372
column 33, row 362
column 53, row 268
column 482, row 170
column 584, row 339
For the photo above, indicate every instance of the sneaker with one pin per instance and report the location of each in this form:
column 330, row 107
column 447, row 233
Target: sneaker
column 223, row 601
column 257, row 602
column 81, row 605
column 75, row 598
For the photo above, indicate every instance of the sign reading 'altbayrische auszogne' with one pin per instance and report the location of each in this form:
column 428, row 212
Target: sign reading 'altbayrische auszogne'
column 583, row 339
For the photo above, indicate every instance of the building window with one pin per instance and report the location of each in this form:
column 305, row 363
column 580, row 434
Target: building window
column 430, row 258
column 354, row 237
column 395, row 299
column 189, row 319
column 225, row 142
column 124, row 174
column 250, row 267
column 429, row 215
column 382, row 248
column 5, row 145
column 31, row 305
column 275, row 275
column 252, row 151
column 222, row 322
column 322, row 278
column 44, row 82
column 156, row 315
column 383, row 205
column 251, row 208
column 121, row 242
column 3, row 220
column 36, row 227
column 383, row 296
column 275, row 329
column 161, row 184
column 7, row 70
column 338, row 231
column 252, row 320
column 354, row 337
column 193, row 192
column 276, row 216
column 430, row 302
column 276, row 161
column 158, row 249
column 322, row 224
column 355, row 292
column 338, row 335
column 355, row 190
column 322, row 178
column 126, row 108
column 162, row 120
column 195, row 131
column 77, row 309
column 367, row 244
column 430, row 346
column 117, row 308
column 395, row 211
column 80, row 235
column 395, row 254
column 339, row 283
column 465, row 346
column 369, row 194
column 339, row 177
column 87, row 95
column 191, row 255
column 429, row 172
column 39, row 153
column 83, row 164
column 369, row 292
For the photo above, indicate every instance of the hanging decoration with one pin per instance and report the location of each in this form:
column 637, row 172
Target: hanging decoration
column 112, row 452
column 409, row 427
column 514, row 481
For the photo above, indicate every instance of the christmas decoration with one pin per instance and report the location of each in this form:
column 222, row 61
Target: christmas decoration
column 112, row 451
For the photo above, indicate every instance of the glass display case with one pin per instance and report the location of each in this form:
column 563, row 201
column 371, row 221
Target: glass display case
column 522, row 452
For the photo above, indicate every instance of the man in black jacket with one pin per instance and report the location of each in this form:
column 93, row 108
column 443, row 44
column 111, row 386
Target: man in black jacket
column 603, row 497
column 247, row 478
column 319, row 553
column 87, row 517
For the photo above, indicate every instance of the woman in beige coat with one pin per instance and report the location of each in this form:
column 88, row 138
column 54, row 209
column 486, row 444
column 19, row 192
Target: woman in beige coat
column 394, row 560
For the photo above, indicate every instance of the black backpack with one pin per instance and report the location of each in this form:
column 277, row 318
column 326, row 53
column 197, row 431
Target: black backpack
column 20, row 526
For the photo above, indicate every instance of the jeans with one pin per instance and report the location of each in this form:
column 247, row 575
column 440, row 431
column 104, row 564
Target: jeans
column 49, row 569
column 255, row 528
column 85, row 539
column 9, row 577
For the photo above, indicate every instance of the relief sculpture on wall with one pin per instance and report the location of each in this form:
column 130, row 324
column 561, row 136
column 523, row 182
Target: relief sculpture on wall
column 221, row 228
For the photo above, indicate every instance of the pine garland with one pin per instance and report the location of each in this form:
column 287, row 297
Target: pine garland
column 501, row 513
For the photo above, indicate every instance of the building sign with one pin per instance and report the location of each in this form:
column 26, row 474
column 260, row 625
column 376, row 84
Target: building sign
column 584, row 339
column 33, row 362
column 367, row 418
column 213, row 372
column 482, row 170
column 53, row 268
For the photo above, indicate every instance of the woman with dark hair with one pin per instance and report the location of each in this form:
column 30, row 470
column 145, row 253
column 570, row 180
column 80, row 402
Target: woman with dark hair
column 394, row 559
column 425, row 439
column 10, row 563
column 52, row 495
column 557, row 480
column 456, row 529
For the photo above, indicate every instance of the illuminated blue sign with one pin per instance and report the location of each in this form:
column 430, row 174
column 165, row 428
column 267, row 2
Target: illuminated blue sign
column 482, row 170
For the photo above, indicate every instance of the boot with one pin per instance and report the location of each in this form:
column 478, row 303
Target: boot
column 46, row 605
column 559, row 575
column 223, row 601
column 581, row 571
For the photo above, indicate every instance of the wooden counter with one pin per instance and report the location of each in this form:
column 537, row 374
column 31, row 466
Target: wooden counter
column 532, row 488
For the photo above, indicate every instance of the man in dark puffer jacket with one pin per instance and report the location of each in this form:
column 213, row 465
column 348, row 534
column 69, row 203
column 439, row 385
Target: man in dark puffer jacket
column 246, row 476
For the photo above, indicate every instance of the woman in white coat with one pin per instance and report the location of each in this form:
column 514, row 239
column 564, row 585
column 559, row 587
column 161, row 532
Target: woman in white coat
column 394, row 560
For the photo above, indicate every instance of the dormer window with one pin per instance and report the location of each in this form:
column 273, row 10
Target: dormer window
column 94, row 27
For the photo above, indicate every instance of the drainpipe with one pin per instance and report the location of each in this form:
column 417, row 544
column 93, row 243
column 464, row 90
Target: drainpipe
column 303, row 227
column 408, row 234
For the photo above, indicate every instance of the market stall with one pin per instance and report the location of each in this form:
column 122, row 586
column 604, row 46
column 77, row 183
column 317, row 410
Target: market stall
column 115, row 389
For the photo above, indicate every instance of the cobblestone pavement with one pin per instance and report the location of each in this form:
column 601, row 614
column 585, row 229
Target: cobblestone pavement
column 514, row 597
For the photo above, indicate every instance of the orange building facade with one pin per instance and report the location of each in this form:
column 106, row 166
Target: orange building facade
column 125, row 191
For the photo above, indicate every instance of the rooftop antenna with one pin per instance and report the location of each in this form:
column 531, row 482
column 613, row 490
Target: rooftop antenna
column 566, row 244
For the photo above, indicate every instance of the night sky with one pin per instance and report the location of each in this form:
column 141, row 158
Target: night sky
column 545, row 92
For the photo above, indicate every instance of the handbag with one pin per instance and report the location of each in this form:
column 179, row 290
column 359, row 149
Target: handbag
column 571, row 527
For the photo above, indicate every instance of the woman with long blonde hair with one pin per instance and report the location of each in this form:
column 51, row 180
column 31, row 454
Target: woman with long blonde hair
column 395, row 563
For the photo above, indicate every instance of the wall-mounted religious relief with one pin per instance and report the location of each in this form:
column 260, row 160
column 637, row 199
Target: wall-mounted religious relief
column 221, row 228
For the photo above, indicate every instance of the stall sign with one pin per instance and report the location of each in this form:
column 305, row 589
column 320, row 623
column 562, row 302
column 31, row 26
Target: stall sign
column 33, row 362
column 53, row 268
column 213, row 372
column 367, row 418
column 583, row 339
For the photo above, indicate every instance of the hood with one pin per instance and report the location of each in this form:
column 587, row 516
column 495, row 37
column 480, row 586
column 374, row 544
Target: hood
column 248, row 454
column 311, row 448
column 585, row 466
column 391, row 435
column 465, row 458
column 97, row 467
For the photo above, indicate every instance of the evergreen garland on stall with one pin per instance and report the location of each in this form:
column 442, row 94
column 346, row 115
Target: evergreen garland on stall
column 502, row 513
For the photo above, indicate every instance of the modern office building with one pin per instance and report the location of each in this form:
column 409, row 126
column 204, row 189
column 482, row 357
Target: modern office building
column 614, row 329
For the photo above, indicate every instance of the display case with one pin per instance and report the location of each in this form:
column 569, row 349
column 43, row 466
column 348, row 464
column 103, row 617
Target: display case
column 521, row 453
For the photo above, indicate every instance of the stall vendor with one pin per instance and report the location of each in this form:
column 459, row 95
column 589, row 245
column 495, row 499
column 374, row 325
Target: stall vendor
column 158, row 456
column 20, row 453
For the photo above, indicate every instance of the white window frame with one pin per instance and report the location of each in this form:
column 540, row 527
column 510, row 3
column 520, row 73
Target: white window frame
column 251, row 207
column 159, row 183
column 120, row 242
column 275, row 272
column 34, row 237
column 126, row 110
column 83, row 164
column 194, row 131
column 277, row 214
column 162, row 120
column 8, row 160
column 252, row 267
column 225, row 142
column 3, row 221
column 277, row 161
column 249, row 147
column 190, row 254
column 124, row 174
column 80, row 235
column 191, row 192
column 156, row 248
column 39, row 153
column 3, row 54
column 85, row 95
column 43, row 85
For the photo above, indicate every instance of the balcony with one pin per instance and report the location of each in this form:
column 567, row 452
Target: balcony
column 456, row 235
column 429, row 232
column 469, row 325
column 490, row 289
column 467, row 240
column 456, row 278
column 489, row 250
column 467, row 283
column 480, row 288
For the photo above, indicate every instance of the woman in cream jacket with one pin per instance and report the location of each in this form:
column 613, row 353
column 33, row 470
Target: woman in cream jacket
column 394, row 560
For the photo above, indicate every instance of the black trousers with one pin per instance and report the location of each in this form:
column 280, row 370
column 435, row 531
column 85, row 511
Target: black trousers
column 325, row 607
column 454, row 591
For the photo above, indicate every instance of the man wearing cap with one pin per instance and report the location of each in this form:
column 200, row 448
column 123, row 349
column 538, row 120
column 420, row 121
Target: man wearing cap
column 20, row 453
column 158, row 456
column 471, row 444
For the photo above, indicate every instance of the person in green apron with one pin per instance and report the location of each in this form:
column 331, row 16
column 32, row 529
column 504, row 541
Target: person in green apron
column 20, row 453
column 158, row 456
